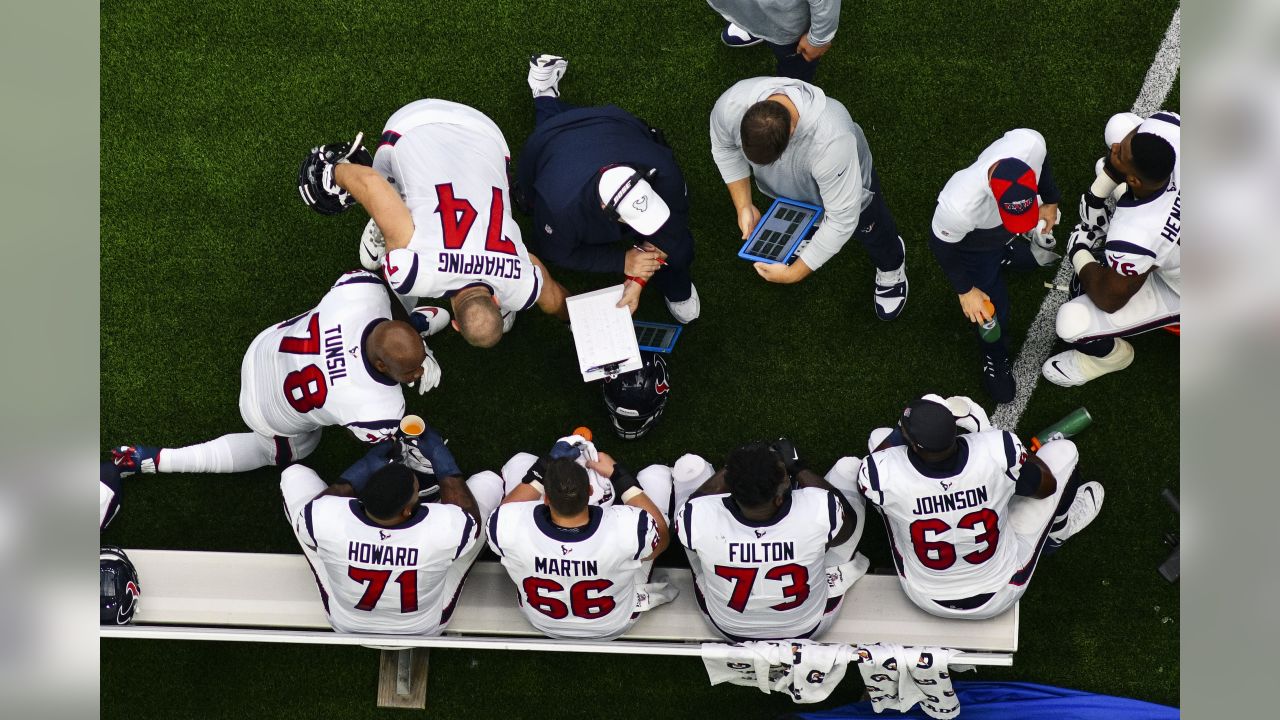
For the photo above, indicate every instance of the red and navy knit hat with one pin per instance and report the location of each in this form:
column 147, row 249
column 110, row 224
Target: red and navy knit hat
column 1014, row 185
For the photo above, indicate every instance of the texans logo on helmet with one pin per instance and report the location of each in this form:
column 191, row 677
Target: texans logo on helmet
column 661, row 387
column 125, row 611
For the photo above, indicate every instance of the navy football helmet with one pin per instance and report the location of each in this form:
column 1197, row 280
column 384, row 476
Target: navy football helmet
column 118, row 586
column 635, row 400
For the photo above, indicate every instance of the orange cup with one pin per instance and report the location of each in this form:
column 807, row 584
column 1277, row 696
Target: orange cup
column 585, row 432
column 412, row 425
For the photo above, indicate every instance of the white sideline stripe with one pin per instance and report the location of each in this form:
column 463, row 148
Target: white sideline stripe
column 1043, row 332
column 615, row 647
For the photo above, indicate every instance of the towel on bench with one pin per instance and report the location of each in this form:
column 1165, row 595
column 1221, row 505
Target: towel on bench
column 807, row 671
column 898, row 677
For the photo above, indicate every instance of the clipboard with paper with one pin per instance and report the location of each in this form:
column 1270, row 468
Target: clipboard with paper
column 603, row 334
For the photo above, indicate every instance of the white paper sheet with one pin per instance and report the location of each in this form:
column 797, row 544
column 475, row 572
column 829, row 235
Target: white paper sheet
column 603, row 334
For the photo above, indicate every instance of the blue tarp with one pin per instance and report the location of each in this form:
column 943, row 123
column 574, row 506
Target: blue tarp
column 1024, row 701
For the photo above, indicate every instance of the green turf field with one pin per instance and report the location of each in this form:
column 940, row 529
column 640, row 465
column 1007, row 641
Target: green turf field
column 208, row 108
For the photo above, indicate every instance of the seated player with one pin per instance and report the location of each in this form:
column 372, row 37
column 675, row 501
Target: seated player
column 340, row 363
column 771, row 544
column 441, row 215
column 109, row 493
column 606, row 194
column 582, row 570
column 384, row 560
column 1139, row 286
column 970, row 516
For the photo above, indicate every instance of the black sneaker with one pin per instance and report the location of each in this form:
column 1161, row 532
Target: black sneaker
column 997, row 380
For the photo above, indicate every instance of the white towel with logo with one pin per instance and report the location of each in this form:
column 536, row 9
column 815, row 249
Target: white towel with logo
column 805, row 670
column 898, row 677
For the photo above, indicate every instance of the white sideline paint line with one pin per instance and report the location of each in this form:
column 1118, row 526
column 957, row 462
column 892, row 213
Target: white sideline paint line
column 1043, row 333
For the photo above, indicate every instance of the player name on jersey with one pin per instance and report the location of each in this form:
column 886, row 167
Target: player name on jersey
column 462, row 263
column 563, row 567
column 1173, row 224
column 370, row 554
column 762, row 552
column 947, row 502
column 333, row 354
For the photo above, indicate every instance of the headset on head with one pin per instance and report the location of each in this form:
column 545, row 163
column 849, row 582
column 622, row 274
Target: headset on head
column 638, row 174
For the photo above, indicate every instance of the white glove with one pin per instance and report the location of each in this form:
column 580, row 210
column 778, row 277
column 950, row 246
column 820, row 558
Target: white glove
column 1093, row 211
column 969, row 415
column 413, row 458
column 430, row 379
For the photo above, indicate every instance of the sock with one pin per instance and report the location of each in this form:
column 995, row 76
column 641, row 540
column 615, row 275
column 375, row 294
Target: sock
column 1060, row 513
column 238, row 452
column 1097, row 348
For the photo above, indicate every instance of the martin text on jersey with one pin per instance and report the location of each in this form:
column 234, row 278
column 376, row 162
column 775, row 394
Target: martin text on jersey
column 948, row 502
column 562, row 567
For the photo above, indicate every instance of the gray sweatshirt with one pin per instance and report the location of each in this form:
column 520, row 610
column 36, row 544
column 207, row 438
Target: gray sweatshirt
column 783, row 22
column 827, row 161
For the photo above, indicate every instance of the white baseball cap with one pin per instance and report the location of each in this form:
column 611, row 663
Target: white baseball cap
column 633, row 198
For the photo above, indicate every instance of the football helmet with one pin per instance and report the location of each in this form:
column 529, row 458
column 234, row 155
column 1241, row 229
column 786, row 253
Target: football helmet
column 119, row 588
column 635, row 400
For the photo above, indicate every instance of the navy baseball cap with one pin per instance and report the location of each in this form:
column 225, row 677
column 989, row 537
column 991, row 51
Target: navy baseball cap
column 1014, row 185
column 930, row 423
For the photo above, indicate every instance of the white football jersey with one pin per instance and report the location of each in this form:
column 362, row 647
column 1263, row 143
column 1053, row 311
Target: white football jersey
column 966, row 203
column 385, row 579
column 762, row 580
column 449, row 162
column 580, row 582
column 947, row 532
column 311, row 371
column 1146, row 234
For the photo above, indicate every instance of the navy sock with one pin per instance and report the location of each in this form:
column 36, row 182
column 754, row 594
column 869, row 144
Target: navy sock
column 1097, row 348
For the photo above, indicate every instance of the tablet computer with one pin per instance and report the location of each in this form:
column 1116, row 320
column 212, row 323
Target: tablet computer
column 657, row 337
column 780, row 231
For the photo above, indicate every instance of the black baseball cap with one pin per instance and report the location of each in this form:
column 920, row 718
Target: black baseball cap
column 930, row 423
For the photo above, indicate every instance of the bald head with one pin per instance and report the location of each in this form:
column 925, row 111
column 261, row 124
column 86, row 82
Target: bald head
column 478, row 317
column 396, row 350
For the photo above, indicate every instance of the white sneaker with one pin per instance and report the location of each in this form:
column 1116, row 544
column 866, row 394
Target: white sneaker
column 372, row 247
column 685, row 311
column 545, row 72
column 891, row 289
column 1083, row 510
column 429, row 320
column 508, row 322
column 736, row 37
column 1072, row 368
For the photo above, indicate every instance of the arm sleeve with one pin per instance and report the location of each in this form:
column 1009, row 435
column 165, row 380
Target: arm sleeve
column 1049, row 192
column 491, row 533
column 726, row 146
column 684, row 526
column 824, row 20
column 839, row 178
column 361, row 470
column 1128, row 258
column 304, row 526
column 836, row 516
column 949, row 258
column 373, row 432
column 434, row 449
column 1028, row 482
column 869, row 482
column 470, row 534
column 407, row 275
column 646, row 535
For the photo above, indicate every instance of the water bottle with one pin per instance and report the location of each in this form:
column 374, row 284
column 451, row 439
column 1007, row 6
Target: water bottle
column 1069, row 426
column 989, row 331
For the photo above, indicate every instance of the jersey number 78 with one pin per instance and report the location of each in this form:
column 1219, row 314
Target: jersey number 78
column 305, row 389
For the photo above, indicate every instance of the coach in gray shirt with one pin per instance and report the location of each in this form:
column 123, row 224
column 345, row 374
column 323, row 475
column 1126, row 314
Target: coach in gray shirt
column 803, row 145
column 799, row 32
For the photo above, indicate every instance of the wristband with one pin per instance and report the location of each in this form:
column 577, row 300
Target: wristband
column 639, row 281
column 1080, row 257
column 536, row 486
column 1103, row 186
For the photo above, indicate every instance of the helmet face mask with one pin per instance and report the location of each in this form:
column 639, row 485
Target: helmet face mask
column 118, row 586
column 636, row 400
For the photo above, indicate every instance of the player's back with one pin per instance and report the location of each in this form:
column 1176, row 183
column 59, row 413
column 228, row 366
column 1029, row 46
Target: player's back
column 947, row 529
column 1147, row 232
column 387, row 579
column 574, row 583
column 762, row 579
column 311, row 371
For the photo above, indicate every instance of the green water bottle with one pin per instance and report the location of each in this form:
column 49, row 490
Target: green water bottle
column 1071, row 425
column 989, row 331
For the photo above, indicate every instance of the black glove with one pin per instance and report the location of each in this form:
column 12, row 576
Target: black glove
column 315, row 177
column 789, row 454
column 623, row 480
column 535, row 472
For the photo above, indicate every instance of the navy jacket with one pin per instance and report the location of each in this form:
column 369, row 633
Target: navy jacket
column 558, row 172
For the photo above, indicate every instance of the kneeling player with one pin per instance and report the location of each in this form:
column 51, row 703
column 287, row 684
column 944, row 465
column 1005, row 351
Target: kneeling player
column 340, row 363
column 964, row 546
column 771, row 544
column 582, row 570
column 385, row 561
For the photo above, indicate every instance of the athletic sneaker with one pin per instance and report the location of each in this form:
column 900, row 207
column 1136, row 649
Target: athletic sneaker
column 545, row 72
column 429, row 320
column 891, row 290
column 133, row 459
column 736, row 37
column 1083, row 510
column 1072, row 368
column 685, row 311
column 997, row 379
column 372, row 247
